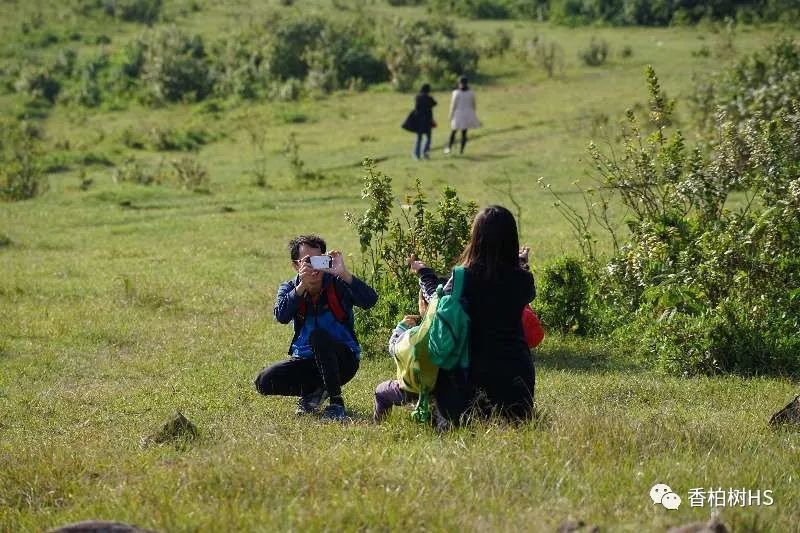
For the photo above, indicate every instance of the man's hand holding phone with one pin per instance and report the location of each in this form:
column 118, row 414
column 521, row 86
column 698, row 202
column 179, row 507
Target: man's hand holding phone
column 333, row 263
column 309, row 277
column 338, row 268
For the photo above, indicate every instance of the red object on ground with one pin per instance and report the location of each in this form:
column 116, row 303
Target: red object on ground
column 534, row 333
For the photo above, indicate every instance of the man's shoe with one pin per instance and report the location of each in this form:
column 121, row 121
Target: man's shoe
column 334, row 413
column 309, row 403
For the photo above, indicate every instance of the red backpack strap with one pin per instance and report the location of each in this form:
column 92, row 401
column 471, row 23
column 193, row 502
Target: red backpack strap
column 333, row 302
column 301, row 309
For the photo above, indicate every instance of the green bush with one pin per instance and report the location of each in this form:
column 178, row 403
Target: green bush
column 547, row 55
column 476, row 9
column 38, row 83
column 499, row 43
column 190, row 174
column 563, row 296
column 169, row 139
column 430, row 51
column 387, row 237
column 709, row 288
column 174, row 66
column 21, row 175
column 131, row 171
column 492, row 9
column 285, row 53
column 763, row 84
column 728, row 338
column 144, row 11
column 596, row 53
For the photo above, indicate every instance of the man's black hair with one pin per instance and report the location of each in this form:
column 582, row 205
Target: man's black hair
column 314, row 241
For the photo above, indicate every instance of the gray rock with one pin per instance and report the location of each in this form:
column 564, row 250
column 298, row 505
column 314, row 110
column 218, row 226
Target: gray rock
column 99, row 526
column 714, row 525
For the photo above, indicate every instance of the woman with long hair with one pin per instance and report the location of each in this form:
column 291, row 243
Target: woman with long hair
column 462, row 114
column 501, row 377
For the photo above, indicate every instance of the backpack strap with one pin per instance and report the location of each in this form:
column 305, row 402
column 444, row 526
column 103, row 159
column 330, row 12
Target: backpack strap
column 458, row 282
column 332, row 296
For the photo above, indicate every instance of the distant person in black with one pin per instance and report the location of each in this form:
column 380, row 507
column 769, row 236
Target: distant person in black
column 423, row 115
column 500, row 378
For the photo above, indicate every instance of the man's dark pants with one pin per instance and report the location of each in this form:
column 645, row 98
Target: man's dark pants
column 333, row 365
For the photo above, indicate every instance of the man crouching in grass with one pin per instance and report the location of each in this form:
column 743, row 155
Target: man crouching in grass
column 324, row 352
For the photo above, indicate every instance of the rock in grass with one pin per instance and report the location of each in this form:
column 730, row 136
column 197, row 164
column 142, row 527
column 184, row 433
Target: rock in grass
column 714, row 525
column 572, row 526
column 176, row 427
column 788, row 415
column 99, row 526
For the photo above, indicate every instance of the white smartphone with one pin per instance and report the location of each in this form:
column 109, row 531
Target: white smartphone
column 320, row 262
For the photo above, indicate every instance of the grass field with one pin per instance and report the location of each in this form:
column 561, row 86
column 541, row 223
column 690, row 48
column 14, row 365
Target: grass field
column 124, row 303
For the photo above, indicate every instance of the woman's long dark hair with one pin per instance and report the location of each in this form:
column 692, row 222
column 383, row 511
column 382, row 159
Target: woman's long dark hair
column 493, row 246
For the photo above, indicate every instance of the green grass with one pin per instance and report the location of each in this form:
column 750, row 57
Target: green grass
column 123, row 303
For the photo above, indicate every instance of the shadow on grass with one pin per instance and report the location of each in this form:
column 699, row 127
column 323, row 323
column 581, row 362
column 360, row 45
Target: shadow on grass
column 472, row 137
column 582, row 355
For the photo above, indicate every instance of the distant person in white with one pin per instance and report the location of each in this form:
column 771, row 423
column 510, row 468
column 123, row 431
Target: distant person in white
column 462, row 114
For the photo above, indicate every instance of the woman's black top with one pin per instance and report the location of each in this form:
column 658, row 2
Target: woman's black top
column 494, row 306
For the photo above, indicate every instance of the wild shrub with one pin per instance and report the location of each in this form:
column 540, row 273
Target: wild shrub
column 500, row 42
column 256, row 134
column 170, row 139
column 39, row 83
column 476, row 9
column 190, row 174
column 764, row 84
column 563, row 296
column 174, row 66
column 21, row 175
column 703, row 281
column 239, row 66
column 596, row 53
column 144, row 11
column 388, row 233
column 492, row 9
column 663, row 13
column 296, row 164
column 547, row 55
column 433, row 51
column 278, row 53
column 131, row 171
